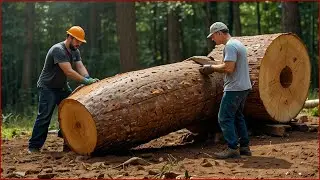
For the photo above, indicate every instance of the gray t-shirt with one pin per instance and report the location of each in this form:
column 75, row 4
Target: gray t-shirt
column 239, row 80
column 52, row 75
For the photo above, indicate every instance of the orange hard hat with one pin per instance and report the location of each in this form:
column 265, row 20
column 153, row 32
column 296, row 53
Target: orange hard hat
column 77, row 32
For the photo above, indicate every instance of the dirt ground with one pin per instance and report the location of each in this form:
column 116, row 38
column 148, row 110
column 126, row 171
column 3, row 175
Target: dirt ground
column 293, row 156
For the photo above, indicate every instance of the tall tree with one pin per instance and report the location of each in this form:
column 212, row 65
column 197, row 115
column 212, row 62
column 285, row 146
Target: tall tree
column 258, row 17
column 29, row 29
column 236, row 18
column 155, row 34
column 211, row 10
column 174, row 39
column 94, row 27
column 127, row 35
column 94, row 30
column 230, row 17
column 291, row 17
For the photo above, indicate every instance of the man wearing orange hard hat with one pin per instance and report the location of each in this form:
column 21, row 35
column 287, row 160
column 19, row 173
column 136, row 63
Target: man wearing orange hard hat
column 52, row 83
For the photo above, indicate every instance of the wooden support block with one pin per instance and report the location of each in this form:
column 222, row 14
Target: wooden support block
column 299, row 127
column 276, row 129
column 313, row 128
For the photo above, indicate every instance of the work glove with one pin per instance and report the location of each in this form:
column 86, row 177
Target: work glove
column 87, row 81
column 96, row 79
column 206, row 69
column 88, row 77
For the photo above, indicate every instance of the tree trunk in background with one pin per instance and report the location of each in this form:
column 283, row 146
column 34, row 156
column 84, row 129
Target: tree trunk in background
column 127, row 35
column 174, row 49
column 155, row 34
column 236, row 19
column 27, row 64
column 211, row 17
column 258, row 17
column 93, row 29
column 162, row 45
column 92, row 36
column 174, row 36
column 315, row 62
column 208, row 24
column 291, row 18
column 230, row 17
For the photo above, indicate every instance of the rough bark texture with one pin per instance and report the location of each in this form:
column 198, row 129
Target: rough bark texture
column 135, row 107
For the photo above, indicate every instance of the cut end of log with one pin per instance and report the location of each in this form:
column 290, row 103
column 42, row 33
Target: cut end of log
column 78, row 127
column 284, row 77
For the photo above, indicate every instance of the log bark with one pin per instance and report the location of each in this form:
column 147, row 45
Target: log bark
column 135, row 107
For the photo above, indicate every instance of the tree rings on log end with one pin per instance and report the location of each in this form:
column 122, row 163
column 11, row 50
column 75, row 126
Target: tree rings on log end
column 78, row 127
column 284, row 77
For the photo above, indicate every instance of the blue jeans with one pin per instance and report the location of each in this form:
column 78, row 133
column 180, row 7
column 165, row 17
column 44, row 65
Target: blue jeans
column 231, row 118
column 48, row 100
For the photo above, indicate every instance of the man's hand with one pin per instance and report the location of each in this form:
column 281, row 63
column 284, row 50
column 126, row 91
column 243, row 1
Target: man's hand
column 88, row 77
column 87, row 81
column 206, row 69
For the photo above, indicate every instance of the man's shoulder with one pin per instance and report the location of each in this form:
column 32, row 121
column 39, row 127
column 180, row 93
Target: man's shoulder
column 236, row 44
column 57, row 47
column 58, row 50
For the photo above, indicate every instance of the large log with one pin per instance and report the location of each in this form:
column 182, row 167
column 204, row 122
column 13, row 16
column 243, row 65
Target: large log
column 135, row 107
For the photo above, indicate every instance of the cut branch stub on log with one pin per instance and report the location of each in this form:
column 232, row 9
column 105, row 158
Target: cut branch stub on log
column 280, row 73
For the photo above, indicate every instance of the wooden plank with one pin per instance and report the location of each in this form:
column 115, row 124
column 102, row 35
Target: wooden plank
column 313, row 128
column 296, row 126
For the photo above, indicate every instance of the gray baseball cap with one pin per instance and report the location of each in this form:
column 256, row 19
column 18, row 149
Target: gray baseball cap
column 215, row 27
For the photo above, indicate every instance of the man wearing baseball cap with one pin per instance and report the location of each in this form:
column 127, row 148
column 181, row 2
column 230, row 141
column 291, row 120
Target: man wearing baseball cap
column 236, row 89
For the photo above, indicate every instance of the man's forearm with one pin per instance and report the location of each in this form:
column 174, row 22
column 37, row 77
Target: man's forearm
column 219, row 68
column 83, row 71
column 74, row 75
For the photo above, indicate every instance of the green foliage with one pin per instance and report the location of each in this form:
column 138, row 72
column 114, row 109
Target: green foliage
column 9, row 133
column 314, row 111
column 270, row 18
column 15, row 123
